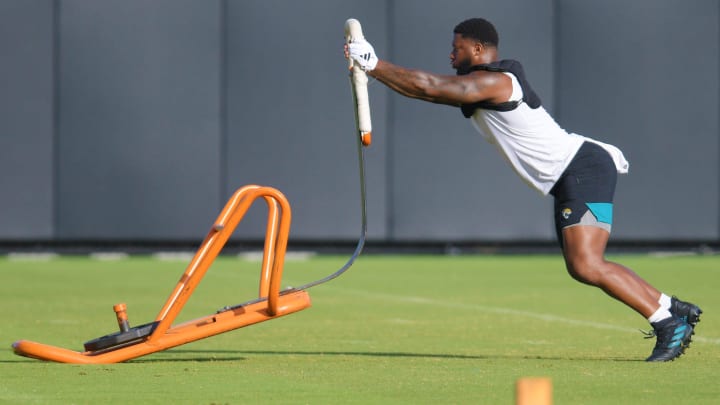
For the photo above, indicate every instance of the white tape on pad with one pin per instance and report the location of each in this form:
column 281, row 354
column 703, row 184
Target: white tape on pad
column 359, row 81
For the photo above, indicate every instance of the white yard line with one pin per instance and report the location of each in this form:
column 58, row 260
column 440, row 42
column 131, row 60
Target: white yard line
column 544, row 316
column 109, row 256
column 185, row 256
column 39, row 256
column 257, row 256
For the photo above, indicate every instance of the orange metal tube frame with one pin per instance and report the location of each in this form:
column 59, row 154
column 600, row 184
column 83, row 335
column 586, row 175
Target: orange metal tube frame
column 270, row 304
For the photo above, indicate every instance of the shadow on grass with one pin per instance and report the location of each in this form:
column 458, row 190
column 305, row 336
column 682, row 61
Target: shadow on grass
column 184, row 355
column 231, row 355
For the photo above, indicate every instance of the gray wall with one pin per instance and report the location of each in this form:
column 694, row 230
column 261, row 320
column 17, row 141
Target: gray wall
column 135, row 120
column 27, row 133
column 139, row 129
column 654, row 92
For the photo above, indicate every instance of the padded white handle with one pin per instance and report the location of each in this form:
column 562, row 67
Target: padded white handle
column 359, row 80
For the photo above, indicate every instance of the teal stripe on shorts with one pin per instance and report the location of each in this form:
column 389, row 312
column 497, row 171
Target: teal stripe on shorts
column 603, row 211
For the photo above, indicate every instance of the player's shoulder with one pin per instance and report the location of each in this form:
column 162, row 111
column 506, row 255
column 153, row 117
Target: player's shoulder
column 489, row 77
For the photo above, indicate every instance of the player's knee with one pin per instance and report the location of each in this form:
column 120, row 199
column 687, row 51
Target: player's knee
column 585, row 269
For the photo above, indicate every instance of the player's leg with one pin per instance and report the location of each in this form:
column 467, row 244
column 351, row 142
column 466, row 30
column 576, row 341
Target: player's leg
column 584, row 252
column 583, row 249
column 583, row 220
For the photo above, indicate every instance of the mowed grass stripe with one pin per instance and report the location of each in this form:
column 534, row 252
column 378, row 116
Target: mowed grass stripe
column 392, row 330
column 506, row 311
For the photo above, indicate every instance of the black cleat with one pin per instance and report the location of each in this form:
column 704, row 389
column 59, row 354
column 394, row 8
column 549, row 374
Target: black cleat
column 688, row 311
column 673, row 337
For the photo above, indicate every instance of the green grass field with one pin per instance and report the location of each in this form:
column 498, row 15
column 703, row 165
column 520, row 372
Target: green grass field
column 394, row 329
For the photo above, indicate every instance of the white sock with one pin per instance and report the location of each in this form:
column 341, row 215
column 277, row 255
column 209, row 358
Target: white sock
column 664, row 301
column 659, row 315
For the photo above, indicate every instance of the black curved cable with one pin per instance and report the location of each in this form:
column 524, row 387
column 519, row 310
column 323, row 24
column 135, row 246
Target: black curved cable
column 363, row 233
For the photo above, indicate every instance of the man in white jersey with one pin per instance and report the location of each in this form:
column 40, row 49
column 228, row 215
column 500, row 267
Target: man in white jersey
column 580, row 173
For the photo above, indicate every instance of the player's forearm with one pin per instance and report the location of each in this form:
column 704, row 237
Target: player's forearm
column 410, row 82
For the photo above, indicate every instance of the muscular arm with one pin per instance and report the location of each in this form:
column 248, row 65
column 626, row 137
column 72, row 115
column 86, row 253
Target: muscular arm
column 444, row 89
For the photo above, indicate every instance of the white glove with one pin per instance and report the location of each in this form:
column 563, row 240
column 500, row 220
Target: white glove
column 363, row 54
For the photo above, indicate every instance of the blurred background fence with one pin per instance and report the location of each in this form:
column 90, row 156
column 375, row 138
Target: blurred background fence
column 132, row 121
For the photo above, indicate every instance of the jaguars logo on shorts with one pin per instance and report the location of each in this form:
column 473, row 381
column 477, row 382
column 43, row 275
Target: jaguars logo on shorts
column 566, row 212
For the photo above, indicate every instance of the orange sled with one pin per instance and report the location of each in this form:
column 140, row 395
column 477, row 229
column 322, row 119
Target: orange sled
column 272, row 303
column 160, row 334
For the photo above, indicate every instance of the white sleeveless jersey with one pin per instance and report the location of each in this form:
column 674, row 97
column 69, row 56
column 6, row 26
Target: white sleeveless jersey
column 532, row 142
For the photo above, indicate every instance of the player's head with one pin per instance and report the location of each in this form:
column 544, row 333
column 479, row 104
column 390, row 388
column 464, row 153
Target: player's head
column 478, row 29
column 475, row 41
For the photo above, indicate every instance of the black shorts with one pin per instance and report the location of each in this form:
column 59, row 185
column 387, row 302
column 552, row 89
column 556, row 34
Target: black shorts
column 584, row 193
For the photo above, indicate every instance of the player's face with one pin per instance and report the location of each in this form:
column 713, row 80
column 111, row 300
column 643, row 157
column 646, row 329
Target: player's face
column 462, row 51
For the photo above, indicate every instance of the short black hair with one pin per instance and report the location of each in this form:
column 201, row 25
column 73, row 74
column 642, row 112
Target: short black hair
column 478, row 29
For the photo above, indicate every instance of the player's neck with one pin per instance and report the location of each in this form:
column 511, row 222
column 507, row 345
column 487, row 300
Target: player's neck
column 488, row 56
